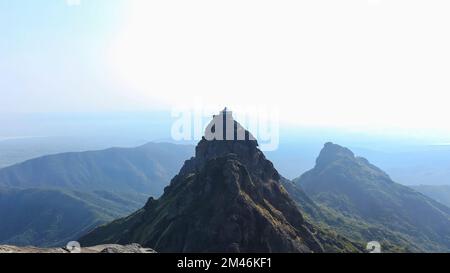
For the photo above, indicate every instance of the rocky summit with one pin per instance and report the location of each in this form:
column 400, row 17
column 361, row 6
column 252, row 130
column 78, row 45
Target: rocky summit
column 227, row 198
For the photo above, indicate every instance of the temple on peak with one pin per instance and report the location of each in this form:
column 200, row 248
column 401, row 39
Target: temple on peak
column 224, row 127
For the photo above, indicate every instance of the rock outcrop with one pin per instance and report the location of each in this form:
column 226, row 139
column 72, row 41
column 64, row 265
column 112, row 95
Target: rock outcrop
column 109, row 248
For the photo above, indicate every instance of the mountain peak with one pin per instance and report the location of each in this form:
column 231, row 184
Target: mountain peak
column 228, row 198
column 224, row 137
column 352, row 188
column 332, row 152
column 224, row 127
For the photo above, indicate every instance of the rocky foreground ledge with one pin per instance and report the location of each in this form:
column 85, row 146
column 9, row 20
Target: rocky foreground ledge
column 109, row 248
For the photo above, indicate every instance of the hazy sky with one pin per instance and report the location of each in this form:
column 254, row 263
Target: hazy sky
column 366, row 63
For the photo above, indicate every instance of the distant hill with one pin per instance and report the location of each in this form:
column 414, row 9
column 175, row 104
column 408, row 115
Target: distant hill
column 440, row 193
column 413, row 165
column 49, row 200
column 54, row 217
column 363, row 203
column 146, row 169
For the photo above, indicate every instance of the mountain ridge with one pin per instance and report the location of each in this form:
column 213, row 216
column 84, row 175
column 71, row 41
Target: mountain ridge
column 358, row 192
column 85, row 183
column 143, row 169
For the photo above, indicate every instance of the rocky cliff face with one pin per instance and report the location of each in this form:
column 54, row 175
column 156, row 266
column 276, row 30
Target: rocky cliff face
column 228, row 198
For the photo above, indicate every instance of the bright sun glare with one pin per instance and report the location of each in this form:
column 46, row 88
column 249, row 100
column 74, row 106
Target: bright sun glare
column 344, row 64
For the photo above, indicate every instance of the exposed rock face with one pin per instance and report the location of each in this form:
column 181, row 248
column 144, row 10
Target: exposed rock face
column 133, row 248
column 228, row 198
column 332, row 152
column 112, row 248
